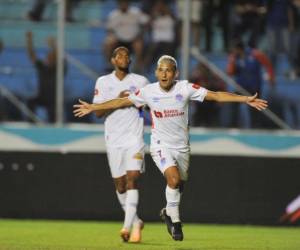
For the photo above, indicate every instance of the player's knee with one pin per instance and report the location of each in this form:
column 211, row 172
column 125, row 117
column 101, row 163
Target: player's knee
column 120, row 184
column 173, row 181
column 132, row 181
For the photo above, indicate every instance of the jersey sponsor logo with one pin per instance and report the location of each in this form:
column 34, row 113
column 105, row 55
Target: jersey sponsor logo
column 179, row 97
column 196, row 86
column 168, row 113
column 96, row 92
column 158, row 114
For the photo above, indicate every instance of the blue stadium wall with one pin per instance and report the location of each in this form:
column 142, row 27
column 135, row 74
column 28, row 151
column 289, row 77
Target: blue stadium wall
column 62, row 173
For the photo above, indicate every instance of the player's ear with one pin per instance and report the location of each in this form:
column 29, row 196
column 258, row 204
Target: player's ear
column 156, row 73
column 177, row 74
column 112, row 60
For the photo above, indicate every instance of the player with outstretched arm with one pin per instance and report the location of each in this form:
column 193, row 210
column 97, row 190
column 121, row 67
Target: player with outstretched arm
column 168, row 101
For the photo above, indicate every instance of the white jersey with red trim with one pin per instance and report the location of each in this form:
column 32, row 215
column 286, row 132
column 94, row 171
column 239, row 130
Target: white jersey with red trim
column 123, row 127
column 169, row 111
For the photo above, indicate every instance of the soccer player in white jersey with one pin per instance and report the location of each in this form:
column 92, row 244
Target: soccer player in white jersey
column 124, row 138
column 168, row 101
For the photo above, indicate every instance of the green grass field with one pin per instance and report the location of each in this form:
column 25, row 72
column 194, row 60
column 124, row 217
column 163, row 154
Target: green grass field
column 69, row 235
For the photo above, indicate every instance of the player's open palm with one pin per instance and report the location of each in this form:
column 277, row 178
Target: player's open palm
column 82, row 109
column 257, row 103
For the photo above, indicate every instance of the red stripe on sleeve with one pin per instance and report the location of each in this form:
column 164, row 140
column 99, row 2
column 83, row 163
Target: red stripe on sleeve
column 196, row 86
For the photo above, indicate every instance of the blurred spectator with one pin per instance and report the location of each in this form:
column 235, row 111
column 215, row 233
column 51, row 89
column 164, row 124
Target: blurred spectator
column 37, row 11
column 8, row 110
column 216, row 11
column 295, row 40
column 1, row 97
column 246, row 65
column 124, row 26
column 248, row 17
column 279, row 25
column 46, row 75
column 206, row 113
column 195, row 17
column 147, row 6
column 163, row 33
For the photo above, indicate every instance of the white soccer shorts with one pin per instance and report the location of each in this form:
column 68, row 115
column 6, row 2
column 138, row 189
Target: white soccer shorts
column 125, row 159
column 165, row 157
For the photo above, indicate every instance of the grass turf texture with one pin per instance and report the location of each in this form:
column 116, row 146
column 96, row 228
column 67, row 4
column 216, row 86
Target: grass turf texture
column 79, row 235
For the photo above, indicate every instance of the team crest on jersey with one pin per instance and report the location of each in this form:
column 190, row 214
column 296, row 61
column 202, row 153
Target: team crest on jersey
column 179, row 97
column 138, row 156
column 132, row 89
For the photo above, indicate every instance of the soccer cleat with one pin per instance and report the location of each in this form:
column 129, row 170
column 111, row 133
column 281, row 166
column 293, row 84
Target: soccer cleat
column 125, row 234
column 167, row 219
column 295, row 216
column 292, row 217
column 177, row 233
column 136, row 232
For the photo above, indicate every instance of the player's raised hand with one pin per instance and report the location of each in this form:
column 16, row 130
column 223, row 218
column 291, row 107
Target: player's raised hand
column 257, row 103
column 82, row 109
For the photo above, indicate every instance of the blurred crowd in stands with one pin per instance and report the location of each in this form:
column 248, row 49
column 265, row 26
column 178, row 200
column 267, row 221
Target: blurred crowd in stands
column 153, row 28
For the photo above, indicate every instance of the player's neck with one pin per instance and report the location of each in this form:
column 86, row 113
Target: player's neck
column 121, row 74
column 168, row 88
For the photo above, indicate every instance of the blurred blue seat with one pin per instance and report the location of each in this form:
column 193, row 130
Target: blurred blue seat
column 287, row 93
column 79, row 88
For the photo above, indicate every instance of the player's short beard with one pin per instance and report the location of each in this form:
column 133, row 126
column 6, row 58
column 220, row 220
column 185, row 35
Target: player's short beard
column 124, row 69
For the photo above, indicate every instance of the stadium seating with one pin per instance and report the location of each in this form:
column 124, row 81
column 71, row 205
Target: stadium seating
column 83, row 41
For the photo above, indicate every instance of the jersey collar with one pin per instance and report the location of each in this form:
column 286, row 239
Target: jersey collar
column 171, row 89
column 117, row 79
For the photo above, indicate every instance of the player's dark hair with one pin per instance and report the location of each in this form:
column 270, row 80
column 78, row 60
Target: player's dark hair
column 116, row 50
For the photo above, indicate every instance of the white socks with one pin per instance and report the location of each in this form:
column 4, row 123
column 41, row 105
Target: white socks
column 122, row 199
column 173, row 201
column 129, row 202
